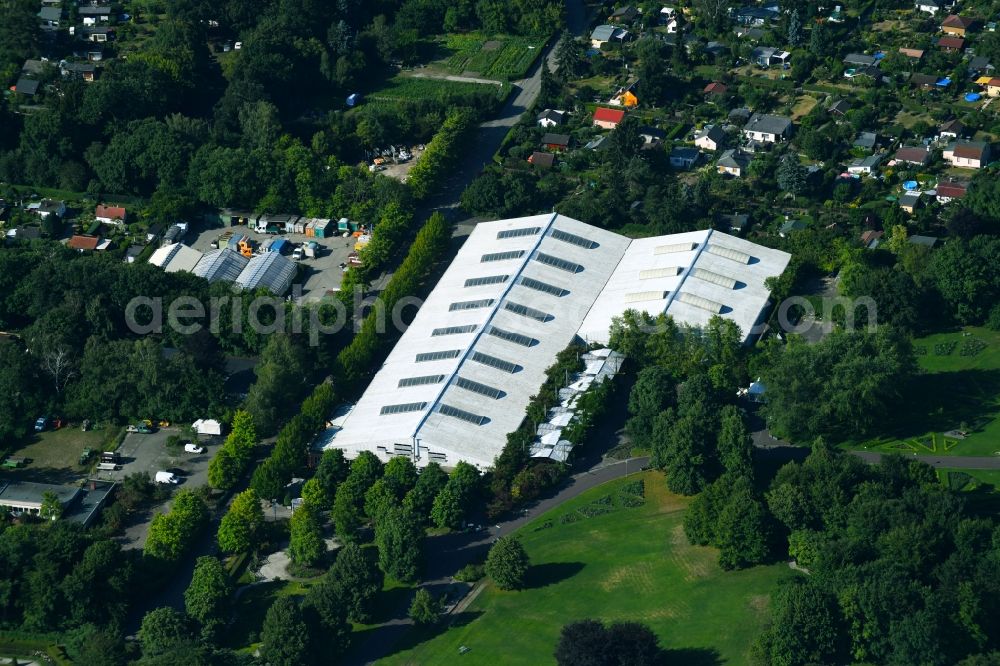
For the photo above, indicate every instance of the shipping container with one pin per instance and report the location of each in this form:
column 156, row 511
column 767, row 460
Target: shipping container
column 323, row 228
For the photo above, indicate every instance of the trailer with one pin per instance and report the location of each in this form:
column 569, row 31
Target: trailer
column 107, row 467
column 279, row 245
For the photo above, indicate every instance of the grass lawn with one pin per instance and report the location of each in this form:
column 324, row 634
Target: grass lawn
column 54, row 454
column 960, row 385
column 621, row 563
column 978, row 487
column 803, row 105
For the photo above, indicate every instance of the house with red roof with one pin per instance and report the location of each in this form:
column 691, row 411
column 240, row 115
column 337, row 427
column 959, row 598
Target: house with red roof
column 967, row 154
column 715, row 88
column 957, row 25
column 110, row 214
column 951, row 44
column 948, row 191
column 83, row 243
column 608, row 118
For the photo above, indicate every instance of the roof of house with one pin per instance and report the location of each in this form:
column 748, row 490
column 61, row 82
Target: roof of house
column 555, row 139
column 870, row 236
column 715, row 88
column 79, row 242
column 927, row 241
column 627, row 11
column 768, row 124
column 734, row 221
column 603, row 33
column 956, row 21
column 757, row 12
column 971, row 150
column 711, row 132
column 26, row 86
column 21, row 493
column 110, row 212
column 912, row 53
column 841, row 106
column 792, row 225
column 543, row 160
column 923, row 79
column 271, row 270
column 551, row 114
column 50, row 13
column 980, row 63
column 607, row 115
column 866, row 140
column 909, row 199
column 33, row 67
column 954, row 126
column 515, row 295
column 951, row 43
column 685, row 153
column 917, row 154
column 859, row 59
column 951, row 189
column 91, row 10
column 652, row 132
column 734, row 158
column 869, row 162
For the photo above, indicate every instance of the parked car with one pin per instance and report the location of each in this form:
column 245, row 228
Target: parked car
column 41, row 423
column 141, row 428
column 191, row 447
column 166, row 477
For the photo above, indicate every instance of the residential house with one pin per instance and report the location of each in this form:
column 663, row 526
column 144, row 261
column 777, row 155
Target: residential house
column 866, row 140
column 47, row 207
column 83, row 243
column 132, row 253
column 652, row 135
column 684, row 158
column 94, row 14
column 756, row 16
column 710, row 137
column 625, row 14
column 24, row 233
column 871, row 239
column 839, row 108
column 909, row 201
column 97, row 34
column 952, row 129
column 948, row 191
column 931, row 7
column 608, row 118
column 916, row 155
column 81, row 70
column 715, row 49
column 25, row 86
column 913, row 54
column 769, row 56
column 715, row 88
column 34, row 68
column 767, row 128
column 671, row 26
column 925, row 241
column 110, row 214
column 153, row 232
column 925, row 81
column 542, row 160
column 750, row 34
column 865, row 166
column 667, row 14
column 734, row 223
column 625, row 97
column 603, row 34
column 993, row 87
column 951, row 44
column 957, row 26
column 551, row 118
column 734, row 162
column 967, row 154
column 50, row 17
column 791, row 226
column 556, row 141
column 981, row 65
column 859, row 60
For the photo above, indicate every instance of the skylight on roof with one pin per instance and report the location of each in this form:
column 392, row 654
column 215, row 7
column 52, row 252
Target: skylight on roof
column 510, row 336
column 471, row 305
column 477, row 387
column 501, row 256
column 488, row 279
column 699, row 302
column 544, row 287
column 556, row 262
column 674, row 247
column 402, row 408
column 525, row 311
column 420, row 381
column 644, row 296
column 573, row 238
column 495, row 362
column 728, row 253
column 715, row 278
column 453, row 330
column 654, row 273
column 438, row 355
column 517, row 233
column 457, row 413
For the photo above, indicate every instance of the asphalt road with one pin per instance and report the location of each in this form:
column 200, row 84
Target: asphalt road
column 448, row 553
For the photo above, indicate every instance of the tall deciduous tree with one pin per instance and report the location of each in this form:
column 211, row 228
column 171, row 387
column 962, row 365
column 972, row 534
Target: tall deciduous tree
column 207, row 598
column 240, row 529
column 285, row 638
column 507, row 563
column 400, row 538
column 359, row 579
column 306, row 546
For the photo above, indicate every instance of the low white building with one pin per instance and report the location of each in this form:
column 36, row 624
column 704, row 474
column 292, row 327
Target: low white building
column 767, row 128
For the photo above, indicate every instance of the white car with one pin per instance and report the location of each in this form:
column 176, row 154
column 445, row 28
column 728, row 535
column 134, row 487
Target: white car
column 166, row 477
column 191, row 447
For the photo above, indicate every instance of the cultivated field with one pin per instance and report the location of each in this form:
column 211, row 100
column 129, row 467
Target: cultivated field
column 502, row 58
column 613, row 555
column 412, row 88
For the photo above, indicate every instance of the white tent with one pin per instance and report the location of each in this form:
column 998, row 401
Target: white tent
column 207, row 427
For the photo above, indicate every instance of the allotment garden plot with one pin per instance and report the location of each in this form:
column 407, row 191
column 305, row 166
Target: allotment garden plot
column 501, row 57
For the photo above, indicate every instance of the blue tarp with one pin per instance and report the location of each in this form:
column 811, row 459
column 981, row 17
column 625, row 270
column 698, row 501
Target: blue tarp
column 972, row 97
column 279, row 245
column 944, row 83
column 879, row 55
column 910, row 185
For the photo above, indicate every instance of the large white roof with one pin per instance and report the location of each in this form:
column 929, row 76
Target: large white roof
column 517, row 293
column 175, row 257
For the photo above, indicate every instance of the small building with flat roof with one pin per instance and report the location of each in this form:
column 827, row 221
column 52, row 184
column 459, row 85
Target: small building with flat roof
column 26, row 497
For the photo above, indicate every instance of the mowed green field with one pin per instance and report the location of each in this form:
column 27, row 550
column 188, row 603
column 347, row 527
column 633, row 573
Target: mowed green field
column 632, row 563
column 960, row 385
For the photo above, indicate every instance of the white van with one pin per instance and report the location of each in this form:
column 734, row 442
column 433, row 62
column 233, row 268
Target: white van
column 166, row 477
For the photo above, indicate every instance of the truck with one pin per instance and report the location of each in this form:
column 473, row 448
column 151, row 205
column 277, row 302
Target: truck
column 265, row 226
column 107, row 467
column 166, row 477
column 110, row 457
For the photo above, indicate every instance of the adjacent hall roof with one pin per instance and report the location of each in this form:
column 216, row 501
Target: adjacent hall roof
column 222, row 264
column 176, row 257
column 517, row 293
column 270, row 270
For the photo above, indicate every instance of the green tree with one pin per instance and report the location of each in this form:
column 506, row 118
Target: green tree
column 207, row 598
column 240, row 529
column 654, row 390
column 425, row 610
column 399, row 537
column 325, row 612
column 455, row 499
column 162, row 630
column 51, row 508
column 568, row 56
column 743, row 533
column 735, row 443
column 794, row 28
column 306, row 546
column 285, row 639
column 507, row 563
column 420, row 500
column 359, row 579
column 791, row 175
column 347, row 513
column 401, row 475
column 805, row 628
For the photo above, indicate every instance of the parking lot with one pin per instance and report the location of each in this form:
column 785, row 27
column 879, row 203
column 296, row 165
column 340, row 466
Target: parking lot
column 148, row 453
column 316, row 276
